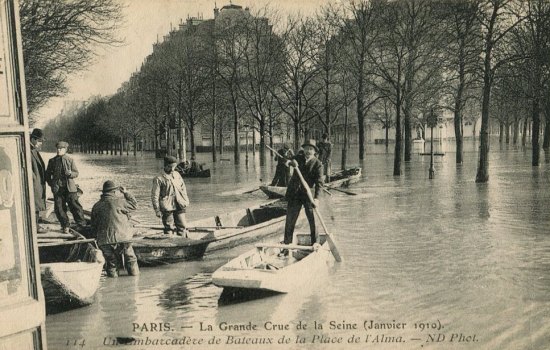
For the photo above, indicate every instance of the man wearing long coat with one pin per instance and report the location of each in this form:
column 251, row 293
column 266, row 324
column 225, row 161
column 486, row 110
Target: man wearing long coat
column 38, row 175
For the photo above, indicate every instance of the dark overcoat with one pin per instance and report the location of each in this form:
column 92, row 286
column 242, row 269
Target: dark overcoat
column 110, row 218
column 312, row 171
column 38, row 180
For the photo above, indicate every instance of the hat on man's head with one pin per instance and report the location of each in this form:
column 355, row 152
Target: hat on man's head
column 62, row 144
column 38, row 134
column 311, row 143
column 109, row 186
column 170, row 160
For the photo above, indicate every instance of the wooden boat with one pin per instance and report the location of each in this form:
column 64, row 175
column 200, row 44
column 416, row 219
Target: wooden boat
column 154, row 248
column 201, row 173
column 340, row 178
column 261, row 269
column 244, row 225
column 70, row 269
column 210, row 234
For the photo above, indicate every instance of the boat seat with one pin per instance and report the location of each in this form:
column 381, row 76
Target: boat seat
column 284, row 246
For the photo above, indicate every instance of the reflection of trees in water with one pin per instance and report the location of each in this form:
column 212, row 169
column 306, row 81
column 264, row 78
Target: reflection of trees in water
column 194, row 293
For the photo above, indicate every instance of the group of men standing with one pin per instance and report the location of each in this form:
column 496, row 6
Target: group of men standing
column 59, row 175
column 110, row 216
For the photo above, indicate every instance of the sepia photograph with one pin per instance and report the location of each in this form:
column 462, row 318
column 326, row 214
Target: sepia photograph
column 274, row 174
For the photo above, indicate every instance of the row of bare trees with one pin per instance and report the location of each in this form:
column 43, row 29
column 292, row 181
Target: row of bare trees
column 409, row 58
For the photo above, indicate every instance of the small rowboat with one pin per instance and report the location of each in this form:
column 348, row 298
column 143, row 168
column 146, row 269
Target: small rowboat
column 155, row 248
column 201, row 173
column 70, row 269
column 342, row 178
column 210, row 234
column 262, row 270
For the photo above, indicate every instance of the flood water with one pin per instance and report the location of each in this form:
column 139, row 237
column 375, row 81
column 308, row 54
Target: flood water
column 462, row 265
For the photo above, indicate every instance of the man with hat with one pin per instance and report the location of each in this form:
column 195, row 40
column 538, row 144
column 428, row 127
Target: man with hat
column 110, row 222
column 169, row 197
column 38, row 175
column 296, row 196
column 282, row 172
column 60, row 175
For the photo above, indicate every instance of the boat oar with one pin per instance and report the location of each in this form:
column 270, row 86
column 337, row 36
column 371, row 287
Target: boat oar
column 196, row 228
column 343, row 191
column 330, row 240
column 254, row 190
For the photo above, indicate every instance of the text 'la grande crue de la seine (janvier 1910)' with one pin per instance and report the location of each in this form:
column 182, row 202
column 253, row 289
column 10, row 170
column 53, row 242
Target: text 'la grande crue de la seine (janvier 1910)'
column 209, row 334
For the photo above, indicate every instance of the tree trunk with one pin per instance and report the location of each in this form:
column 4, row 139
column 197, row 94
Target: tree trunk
column 237, row 143
column 459, row 138
column 482, row 175
column 516, row 132
column 546, row 139
column 296, row 134
column 192, row 140
column 360, row 115
column 507, row 129
column 536, row 131
column 398, row 138
column 345, row 144
column 500, row 132
column 524, row 135
column 262, row 140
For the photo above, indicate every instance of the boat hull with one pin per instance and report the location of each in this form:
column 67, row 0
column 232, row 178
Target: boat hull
column 264, row 271
column 69, row 285
column 245, row 225
column 202, row 173
column 163, row 249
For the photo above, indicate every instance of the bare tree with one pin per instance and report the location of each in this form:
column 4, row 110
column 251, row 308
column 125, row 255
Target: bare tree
column 59, row 38
column 463, row 65
column 497, row 18
column 261, row 68
column 295, row 94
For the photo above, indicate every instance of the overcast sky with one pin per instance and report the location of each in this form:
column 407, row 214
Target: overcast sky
column 145, row 20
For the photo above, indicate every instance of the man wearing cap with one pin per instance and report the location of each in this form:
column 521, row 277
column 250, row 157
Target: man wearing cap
column 38, row 175
column 169, row 197
column 296, row 196
column 60, row 175
column 110, row 222
column 282, row 172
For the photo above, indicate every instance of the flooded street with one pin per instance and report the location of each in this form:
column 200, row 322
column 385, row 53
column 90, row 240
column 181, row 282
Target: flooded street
column 458, row 262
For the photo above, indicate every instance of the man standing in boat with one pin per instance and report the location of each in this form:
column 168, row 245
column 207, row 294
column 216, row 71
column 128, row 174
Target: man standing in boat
column 282, row 172
column 111, row 223
column 170, row 199
column 296, row 195
column 38, row 175
column 325, row 153
column 60, row 175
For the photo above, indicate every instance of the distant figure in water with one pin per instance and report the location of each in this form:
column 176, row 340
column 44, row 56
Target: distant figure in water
column 282, row 172
column 325, row 153
column 111, row 224
column 195, row 166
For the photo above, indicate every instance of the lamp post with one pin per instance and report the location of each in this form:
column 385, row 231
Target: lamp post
column 432, row 122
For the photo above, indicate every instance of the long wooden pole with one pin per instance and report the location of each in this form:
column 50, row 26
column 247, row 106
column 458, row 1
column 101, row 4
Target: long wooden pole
column 330, row 239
